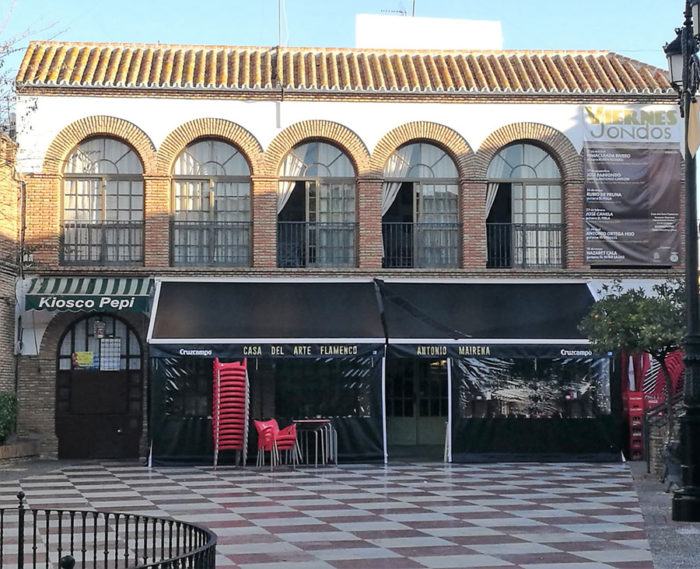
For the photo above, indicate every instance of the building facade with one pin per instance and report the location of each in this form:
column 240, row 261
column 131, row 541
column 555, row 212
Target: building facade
column 9, row 254
column 165, row 187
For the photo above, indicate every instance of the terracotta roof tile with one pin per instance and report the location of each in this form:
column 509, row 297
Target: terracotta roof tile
column 149, row 66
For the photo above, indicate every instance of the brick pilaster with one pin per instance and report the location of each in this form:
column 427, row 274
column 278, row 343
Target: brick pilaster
column 156, row 217
column 473, row 200
column 264, row 193
column 43, row 213
column 573, row 194
column 369, row 222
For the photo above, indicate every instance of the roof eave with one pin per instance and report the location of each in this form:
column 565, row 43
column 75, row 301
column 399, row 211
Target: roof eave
column 447, row 93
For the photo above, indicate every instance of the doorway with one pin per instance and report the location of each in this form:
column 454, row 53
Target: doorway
column 99, row 390
column 416, row 399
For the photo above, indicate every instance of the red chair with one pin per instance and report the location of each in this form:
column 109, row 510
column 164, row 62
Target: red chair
column 266, row 441
column 230, row 397
column 272, row 439
column 286, row 440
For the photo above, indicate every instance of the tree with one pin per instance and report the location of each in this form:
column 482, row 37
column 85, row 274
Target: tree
column 11, row 44
column 633, row 321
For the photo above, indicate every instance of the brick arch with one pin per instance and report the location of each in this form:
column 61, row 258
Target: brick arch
column 552, row 140
column 444, row 137
column 186, row 133
column 88, row 127
column 327, row 131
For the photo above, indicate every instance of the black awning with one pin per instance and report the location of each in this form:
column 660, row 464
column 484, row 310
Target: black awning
column 267, row 318
column 437, row 319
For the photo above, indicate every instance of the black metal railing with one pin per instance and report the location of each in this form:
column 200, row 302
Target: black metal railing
column 524, row 245
column 421, row 245
column 211, row 243
column 90, row 539
column 316, row 244
column 101, row 243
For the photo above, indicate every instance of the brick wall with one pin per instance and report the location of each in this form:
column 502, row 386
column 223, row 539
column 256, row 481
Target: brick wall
column 44, row 198
column 44, row 195
column 9, row 227
column 37, row 389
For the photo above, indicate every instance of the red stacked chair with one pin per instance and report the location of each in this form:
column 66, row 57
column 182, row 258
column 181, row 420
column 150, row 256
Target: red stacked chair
column 230, row 409
column 286, row 440
column 272, row 439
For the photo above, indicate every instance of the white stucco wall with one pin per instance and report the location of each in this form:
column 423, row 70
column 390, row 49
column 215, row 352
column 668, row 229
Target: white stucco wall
column 41, row 119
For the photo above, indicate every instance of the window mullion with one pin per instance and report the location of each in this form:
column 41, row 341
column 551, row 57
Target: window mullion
column 211, row 230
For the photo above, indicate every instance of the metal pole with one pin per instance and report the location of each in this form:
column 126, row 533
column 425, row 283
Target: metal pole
column 448, row 435
column 686, row 501
column 279, row 22
column 384, row 441
column 20, row 530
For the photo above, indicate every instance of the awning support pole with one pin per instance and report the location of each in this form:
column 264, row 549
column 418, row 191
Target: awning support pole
column 386, row 454
column 448, row 435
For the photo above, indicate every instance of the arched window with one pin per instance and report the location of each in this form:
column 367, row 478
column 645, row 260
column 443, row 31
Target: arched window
column 211, row 222
column 316, row 208
column 420, row 208
column 110, row 343
column 524, row 208
column 102, row 204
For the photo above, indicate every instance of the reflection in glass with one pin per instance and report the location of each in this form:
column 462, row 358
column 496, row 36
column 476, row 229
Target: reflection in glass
column 533, row 388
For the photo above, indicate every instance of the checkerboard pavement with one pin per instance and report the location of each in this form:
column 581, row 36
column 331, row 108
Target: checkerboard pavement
column 403, row 516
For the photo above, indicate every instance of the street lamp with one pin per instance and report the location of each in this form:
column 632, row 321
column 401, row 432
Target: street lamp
column 684, row 68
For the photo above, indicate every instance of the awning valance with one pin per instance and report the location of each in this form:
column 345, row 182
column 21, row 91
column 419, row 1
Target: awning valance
column 265, row 318
column 79, row 294
column 469, row 318
column 340, row 318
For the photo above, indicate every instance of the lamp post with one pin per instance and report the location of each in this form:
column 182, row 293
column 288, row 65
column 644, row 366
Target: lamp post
column 684, row 68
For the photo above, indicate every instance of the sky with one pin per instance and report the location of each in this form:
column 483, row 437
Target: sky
column 637, row 29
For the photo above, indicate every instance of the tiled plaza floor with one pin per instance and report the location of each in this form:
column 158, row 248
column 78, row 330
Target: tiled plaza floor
column 404, row 516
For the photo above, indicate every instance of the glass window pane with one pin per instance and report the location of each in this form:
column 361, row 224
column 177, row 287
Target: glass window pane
column 420, row 160
column 522, row 161
column 317, row 159
column 103, row 156
column 211, row 157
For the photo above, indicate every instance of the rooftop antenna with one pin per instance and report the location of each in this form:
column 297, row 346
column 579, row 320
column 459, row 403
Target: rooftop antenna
column 413, row 12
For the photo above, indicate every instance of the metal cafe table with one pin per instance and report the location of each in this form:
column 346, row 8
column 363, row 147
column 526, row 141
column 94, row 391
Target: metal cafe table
column 325, row 440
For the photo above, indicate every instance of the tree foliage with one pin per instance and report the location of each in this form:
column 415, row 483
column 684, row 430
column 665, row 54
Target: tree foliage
column 633, row 321
column 11, row 44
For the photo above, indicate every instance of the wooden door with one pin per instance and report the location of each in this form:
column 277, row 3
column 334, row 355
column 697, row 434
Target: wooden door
column 99, row 410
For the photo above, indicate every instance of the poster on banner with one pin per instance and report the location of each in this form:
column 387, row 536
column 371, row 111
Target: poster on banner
column 84, row 360
column 632, row 165
column 110, row 350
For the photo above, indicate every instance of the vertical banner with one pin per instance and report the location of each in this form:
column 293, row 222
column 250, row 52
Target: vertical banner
column 632, row 167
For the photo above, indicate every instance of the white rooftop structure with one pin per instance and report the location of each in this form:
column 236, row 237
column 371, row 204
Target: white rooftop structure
column 404, row 32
